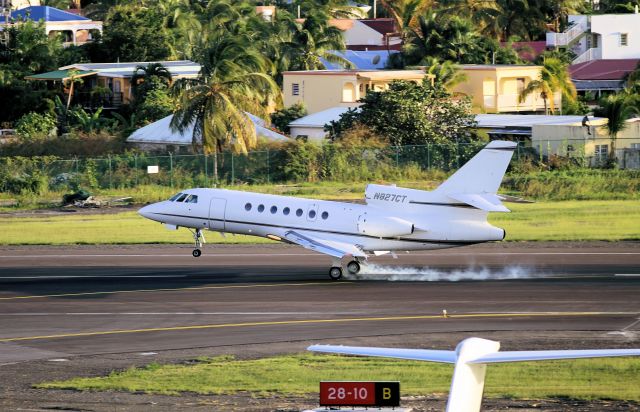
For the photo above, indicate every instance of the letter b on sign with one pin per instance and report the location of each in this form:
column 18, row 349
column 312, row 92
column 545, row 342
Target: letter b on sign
column 388, row 394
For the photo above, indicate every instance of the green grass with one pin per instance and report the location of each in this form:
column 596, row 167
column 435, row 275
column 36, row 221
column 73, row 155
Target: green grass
column 568, row 220
column 615, row 378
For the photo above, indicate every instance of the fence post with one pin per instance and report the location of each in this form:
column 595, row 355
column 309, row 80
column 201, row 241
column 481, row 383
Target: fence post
column 428, row 156
column 268, row 168
column 171, row 169
column 110, row 176
column 397, row 157
column 206, row 171
column 135, row 167
column 233, row 172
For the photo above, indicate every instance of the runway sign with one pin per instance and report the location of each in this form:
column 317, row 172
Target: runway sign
column 375, row 394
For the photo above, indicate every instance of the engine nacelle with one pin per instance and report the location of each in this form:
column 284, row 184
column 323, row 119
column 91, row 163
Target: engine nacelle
column 383, row 226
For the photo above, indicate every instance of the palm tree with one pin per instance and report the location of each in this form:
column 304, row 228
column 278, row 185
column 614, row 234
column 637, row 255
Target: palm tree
column 554, row 77
column 482, row 13
column 231, row 83
column 314, row 40
column 616, row 109
column 406, row 12
column 445, row 73
column 140, row 73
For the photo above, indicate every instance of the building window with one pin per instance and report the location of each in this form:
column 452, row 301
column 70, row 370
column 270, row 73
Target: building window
column 247, row 207
column 602, row 150
column 348, row 92
column 295, row 89
column 286, row 211
column 274, row 209
column 325, row 215
column 635, row 146
column 261, row 208
column 624, row 39
column 299, row 212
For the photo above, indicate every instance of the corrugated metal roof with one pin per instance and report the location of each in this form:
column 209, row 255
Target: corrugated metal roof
column 160, row 133
column 529, row 120
column 60, row 75
column 603, row 69
column 46, row 13
column 179, row 68
column 319, row 119
column 362, row 60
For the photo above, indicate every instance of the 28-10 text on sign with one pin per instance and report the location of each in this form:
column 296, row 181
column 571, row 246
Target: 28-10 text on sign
column 360, row 394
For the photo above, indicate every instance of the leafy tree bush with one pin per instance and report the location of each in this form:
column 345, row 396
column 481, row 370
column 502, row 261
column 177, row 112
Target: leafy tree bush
column 412, row 114
column 283, row 117
column 35, row 126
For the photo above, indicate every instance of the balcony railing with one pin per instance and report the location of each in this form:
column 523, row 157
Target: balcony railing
column 511, row 102
column 568, row 36
column 94, row 100
column 595, row 53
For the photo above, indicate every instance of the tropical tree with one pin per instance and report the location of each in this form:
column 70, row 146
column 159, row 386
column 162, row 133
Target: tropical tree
column 313, row 40
column 150, row 77
column 70, row 82
column 446, row 74
column 554, row 77
column 616, row 109
column 482, row 13
column 231, row 83
column 518, row 18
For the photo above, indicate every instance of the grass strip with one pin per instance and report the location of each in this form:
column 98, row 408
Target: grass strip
column 610, row 220
column 613, row 378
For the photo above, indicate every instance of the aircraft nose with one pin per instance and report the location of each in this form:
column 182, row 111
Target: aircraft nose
column 147, row 211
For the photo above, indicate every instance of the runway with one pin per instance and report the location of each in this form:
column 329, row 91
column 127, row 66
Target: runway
column 62, row 302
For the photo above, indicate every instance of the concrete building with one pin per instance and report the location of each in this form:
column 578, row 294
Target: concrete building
column 496, row 88
column 110, row 83
column 601, row 36
column 323, row 89
column 75, row 29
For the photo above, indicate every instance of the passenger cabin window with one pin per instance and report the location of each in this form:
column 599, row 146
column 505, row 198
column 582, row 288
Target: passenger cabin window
column 247, row 207
column 325, row 215
column 182, row 197
column 299, row 212
column 261, row 208
column 312, row 214
column 286, row 211
column 174, row 197
column 274, row 209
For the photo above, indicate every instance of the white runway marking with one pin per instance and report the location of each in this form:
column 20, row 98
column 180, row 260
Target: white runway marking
column 214, row 255
column 628, row 275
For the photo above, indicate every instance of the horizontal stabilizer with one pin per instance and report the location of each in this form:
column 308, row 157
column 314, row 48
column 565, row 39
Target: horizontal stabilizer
column 514, row 199
column 526, row 356
column 443, row 356
column 485, row 201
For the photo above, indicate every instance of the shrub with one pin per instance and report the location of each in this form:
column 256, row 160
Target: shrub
column 36, row 126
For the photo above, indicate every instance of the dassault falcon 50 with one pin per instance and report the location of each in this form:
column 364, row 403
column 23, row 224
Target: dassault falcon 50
column 392, row 218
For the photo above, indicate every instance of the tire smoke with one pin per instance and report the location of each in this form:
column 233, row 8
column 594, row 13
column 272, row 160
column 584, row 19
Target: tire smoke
column 426, row 274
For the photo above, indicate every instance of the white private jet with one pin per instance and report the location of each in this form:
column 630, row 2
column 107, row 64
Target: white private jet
column 393, row 218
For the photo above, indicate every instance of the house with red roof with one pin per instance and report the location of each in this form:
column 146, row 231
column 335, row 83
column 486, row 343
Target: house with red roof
column 602, row 75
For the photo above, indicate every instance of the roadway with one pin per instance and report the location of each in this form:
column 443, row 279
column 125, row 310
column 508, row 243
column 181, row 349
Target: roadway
column 129, row 305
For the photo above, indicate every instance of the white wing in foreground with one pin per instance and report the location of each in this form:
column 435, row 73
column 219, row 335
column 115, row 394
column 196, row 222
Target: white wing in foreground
column 328, row 247
column 525, row 356
column 444, row 356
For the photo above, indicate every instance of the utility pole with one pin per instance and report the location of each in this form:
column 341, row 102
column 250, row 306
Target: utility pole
column 375, row 9
column 5, row 6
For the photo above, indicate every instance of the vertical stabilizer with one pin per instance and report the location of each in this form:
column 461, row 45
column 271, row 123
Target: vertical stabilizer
column 483, row 173
column 467, row 384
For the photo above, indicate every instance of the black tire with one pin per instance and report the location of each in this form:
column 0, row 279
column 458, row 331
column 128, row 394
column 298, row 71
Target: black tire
column 196, row 253
column 335, row 273
column 353, row 267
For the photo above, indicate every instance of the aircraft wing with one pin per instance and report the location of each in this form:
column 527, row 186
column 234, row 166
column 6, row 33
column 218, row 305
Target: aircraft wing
column 328, row 247
column 443, row 356
column 525, row 356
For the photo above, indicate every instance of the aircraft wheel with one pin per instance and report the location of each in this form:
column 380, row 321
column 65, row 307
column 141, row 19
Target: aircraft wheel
column 335, row 273
column 196, row 253
column 353, row 267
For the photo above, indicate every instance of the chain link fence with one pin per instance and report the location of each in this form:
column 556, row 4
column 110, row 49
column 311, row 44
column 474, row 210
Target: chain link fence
column 303, row 162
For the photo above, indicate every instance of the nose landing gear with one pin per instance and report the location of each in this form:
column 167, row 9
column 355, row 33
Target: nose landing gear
column 197, row 236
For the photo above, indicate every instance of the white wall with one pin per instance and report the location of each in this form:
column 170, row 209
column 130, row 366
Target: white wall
column 610, row 26
column 361, row 34
column 314, row 134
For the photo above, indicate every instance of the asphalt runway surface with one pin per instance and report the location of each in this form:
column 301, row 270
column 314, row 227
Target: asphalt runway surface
column 95, row 308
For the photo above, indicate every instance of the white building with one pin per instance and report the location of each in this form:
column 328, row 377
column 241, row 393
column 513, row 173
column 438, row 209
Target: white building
column 604, row 36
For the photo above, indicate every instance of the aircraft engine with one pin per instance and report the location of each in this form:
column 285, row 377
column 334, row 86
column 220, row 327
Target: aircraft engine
column 383, row 226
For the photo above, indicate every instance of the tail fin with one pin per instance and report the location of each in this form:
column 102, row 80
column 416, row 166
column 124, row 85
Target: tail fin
column 483, row 173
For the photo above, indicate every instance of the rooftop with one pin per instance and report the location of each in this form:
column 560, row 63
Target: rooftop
column 46, row 13
column 530, row 120
column 603, row 69
column 178, row 68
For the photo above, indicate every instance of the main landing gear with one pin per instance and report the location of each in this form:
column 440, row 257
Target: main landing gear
column 198, row 238
column 335, row 273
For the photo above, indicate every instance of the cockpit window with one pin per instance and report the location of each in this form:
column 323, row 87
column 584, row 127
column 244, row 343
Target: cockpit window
column 191, row 199
column 182, row 197
column 174, row 197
